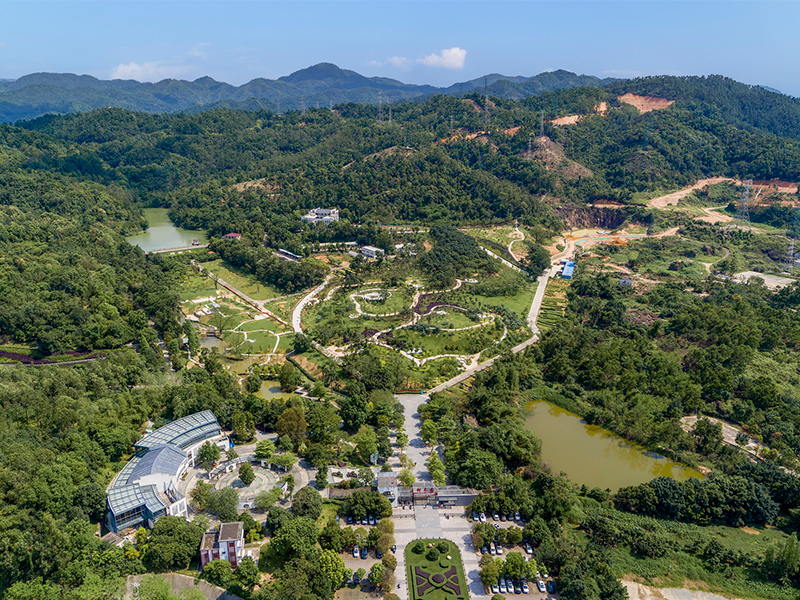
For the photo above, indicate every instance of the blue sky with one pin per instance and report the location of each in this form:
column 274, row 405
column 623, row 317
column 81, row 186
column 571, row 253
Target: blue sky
column 437, row 43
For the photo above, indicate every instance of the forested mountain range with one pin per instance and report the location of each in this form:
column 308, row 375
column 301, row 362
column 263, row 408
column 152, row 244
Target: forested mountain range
column 320, row 85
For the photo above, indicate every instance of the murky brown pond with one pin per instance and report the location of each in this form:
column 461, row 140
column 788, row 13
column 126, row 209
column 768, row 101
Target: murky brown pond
column 595, row 456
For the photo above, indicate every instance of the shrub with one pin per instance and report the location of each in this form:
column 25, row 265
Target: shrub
column 443, row 547
column 432, row 554
column 418, row 547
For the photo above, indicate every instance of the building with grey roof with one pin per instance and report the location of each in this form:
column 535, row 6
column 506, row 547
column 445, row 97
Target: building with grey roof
column 147, row 486
column 227, row 543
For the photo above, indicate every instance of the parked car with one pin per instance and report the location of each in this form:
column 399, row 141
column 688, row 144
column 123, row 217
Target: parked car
column 378, row 553
column 510, row 517
column 492, row 549
column 364, row 521
column 499, row 548
column 502, row 517
column 482, row 517
column 540, row 585
column 355, row 551
column 364, row 552
column 517, row 587
column 349, row 519
column 371, row 520
column 517, row 516
column 509, row 584
column 525, row 588
column 502, row 585
column 528, row 548
column 495, row 589
column 496, row 526
column 495, row 516
column 484, row 550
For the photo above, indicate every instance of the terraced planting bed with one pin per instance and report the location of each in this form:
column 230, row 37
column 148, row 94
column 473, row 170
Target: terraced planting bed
column 554, row 304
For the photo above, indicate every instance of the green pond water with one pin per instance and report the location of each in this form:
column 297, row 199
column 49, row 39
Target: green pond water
column 595, row 456
column 162, row 233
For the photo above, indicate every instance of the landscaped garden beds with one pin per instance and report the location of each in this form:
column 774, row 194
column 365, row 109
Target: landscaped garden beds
column 435, row 571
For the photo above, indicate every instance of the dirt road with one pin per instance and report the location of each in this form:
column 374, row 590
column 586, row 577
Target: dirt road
column 675, row 197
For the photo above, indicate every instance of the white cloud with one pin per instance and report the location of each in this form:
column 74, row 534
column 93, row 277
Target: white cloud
column 401, row 62
column 148, row 71
column 449, row 58
column 199, row 50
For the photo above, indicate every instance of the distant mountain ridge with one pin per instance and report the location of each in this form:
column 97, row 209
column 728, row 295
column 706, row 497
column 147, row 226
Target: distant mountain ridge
column 323, row 84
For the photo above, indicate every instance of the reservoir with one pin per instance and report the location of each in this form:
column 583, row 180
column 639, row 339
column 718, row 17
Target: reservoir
column 595, row 456
column 162, row 233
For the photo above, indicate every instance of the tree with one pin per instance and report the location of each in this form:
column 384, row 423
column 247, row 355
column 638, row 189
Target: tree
column 285, row 460
column 384, row 542
column 218, row 572
column 224, row 502
column 307, row 503
column 292, row 422
column 376, row 573
column 516, row 567
column 366, row 443
column 208, row 453
column 246, row 473
column 402, row 440
column 247, row 573
column 389, row 561
column 332, row 566
column 365, row 476
column 490, row 570
column 428, row 431
column 277, row 517
column 290, row 483
column 264, row 499
column 406, row 478
column 330, row 538
column 265, row 449
column 200, row 495
column 295, row 538
column 231, row 454
column 321, row 479
column 289, row 379
column 436, row 469
column 243, row 425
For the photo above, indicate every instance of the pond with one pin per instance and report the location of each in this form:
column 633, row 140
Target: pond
column 270, row 390
column 595, row 456
column 162, row 233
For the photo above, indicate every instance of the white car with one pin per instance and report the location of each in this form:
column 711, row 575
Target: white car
column 503, row 589
column 540, row 585
column 495, row 589
column 355, row 551
column 492, row 549
column 499, row 548
column 482, row 517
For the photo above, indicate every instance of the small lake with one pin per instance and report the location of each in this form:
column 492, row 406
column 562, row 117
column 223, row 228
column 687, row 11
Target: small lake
column 595, row 456
column 162, row 233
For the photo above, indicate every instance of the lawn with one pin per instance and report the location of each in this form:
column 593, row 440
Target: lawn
column 242, row 281
column 435, row 573
column 451, row 319
column 398, row 300
column 196, row 285
column 470, row 341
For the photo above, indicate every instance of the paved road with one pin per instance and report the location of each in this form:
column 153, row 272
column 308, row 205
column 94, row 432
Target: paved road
column 504, row 261
column 177, row 249
column 297, row 313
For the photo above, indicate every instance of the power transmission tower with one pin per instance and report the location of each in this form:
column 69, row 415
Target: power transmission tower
column 380, row 107
column 743, row 209
column 541, row 125
column 330, row 103
column 451, row 124
column 530, row 147
column 302, row 105
column 486, row 110
column 390, row 115
column 279, row 106
column 788, row 262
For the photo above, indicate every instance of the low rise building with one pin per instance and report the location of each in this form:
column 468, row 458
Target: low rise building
column 227, row 543
column 372, row 251
column 321, row 215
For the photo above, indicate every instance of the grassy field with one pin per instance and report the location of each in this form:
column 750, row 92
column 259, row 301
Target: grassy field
column 398, row 300
column 244, row 282
column 452, row 319
column 196, row 285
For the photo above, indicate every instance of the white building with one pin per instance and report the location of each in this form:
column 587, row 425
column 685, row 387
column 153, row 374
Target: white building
column 372, row 251
column 227, row 543
column 321, row 215
column 147, row 487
